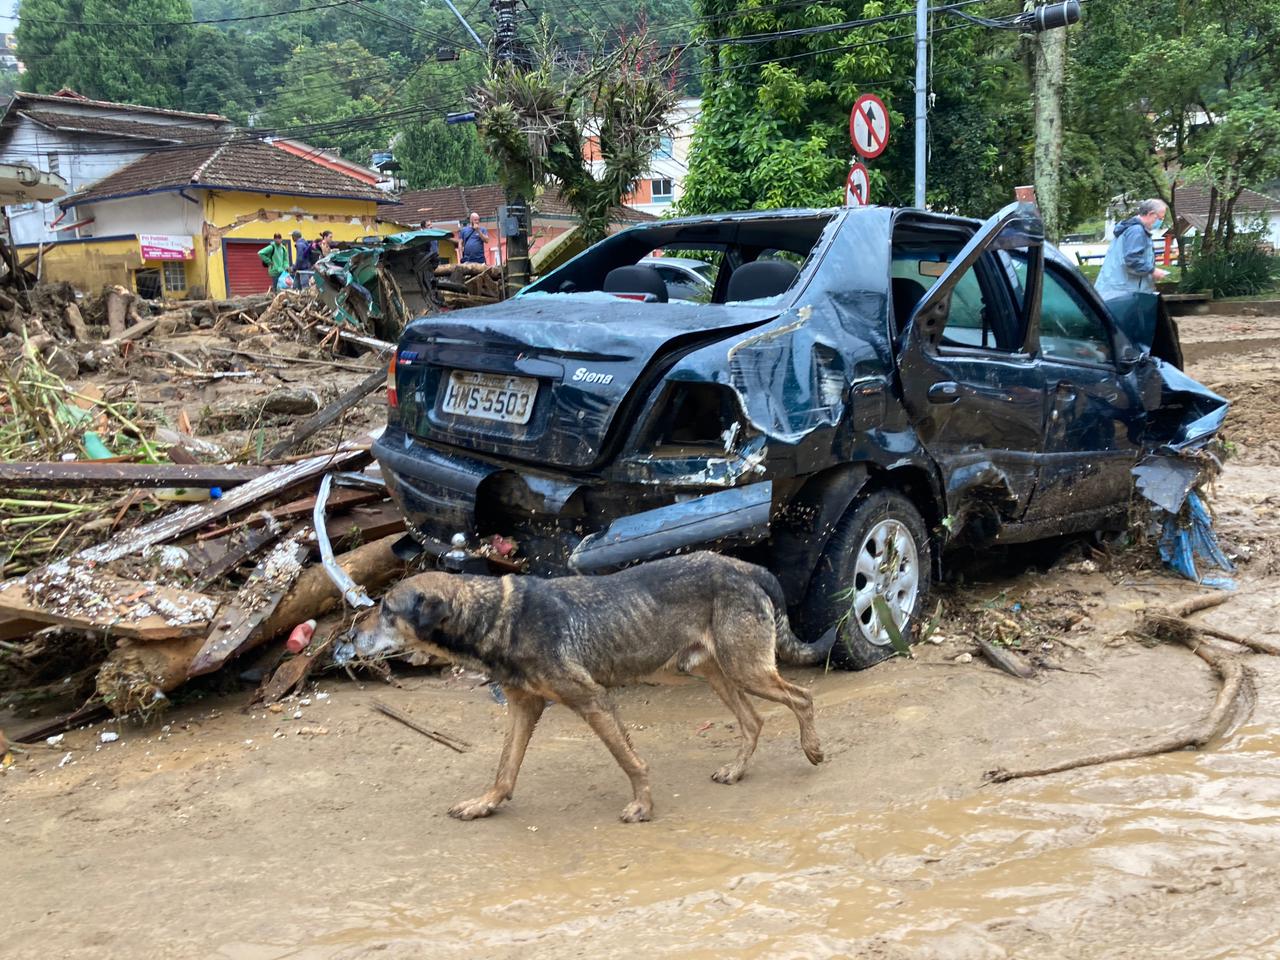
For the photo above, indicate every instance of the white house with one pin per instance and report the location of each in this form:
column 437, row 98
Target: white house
column 1254, row 212
column 82, row 141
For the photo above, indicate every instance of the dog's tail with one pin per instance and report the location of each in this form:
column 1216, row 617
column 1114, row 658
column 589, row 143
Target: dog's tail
column 791, row 649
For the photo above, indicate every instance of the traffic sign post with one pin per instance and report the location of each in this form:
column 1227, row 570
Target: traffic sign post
column 857, row 189
column 869, row 126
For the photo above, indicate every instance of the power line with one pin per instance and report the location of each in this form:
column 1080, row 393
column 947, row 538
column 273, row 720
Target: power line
column 180, row 23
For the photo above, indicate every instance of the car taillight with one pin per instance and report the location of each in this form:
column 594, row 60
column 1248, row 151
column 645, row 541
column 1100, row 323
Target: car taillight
column 392, row 400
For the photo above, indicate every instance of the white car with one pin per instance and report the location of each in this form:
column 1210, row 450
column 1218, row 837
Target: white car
column 686, row 279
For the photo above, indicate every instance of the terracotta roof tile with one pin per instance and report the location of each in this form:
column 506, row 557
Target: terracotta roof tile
column 251, row 166
column 1191, row 201
column 120, row 127
column 456, row 203
column 70, row 96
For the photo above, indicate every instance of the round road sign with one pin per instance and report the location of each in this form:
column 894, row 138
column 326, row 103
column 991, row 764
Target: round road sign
column 869, row 126
column 857, row 189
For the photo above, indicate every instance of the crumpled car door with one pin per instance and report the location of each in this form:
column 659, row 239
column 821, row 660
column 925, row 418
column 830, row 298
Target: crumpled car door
column 979, row 409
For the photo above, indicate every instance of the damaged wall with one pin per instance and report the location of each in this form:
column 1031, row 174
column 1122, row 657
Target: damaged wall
column 89, row 264
column 255, row 216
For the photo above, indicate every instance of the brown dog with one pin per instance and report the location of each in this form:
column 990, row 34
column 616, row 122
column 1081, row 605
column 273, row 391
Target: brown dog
column 571, row 639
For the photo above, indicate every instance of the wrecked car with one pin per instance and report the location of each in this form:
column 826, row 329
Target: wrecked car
column 381, row 285
column 864, row 388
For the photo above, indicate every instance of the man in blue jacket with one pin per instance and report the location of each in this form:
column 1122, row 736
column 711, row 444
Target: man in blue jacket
column 1130, row 264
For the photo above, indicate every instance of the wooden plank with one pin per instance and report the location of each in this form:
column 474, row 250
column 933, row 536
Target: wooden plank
column 237, row 554
column 132, row 333
column 75, row 595
column 98, row 473
column 322, row 418
column 254, row 604
column 175, row 524
column 369, row 523
column 11, row 628
column 91, row 712
column 294, row 671
column 341, row 498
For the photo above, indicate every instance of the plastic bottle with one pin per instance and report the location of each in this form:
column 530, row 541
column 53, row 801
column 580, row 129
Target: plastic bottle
column 300, row 636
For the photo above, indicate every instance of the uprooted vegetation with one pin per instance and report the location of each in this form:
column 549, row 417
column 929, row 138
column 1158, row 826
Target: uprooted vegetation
column 153, row 477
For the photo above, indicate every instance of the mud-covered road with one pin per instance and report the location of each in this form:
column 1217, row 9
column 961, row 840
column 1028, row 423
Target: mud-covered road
column 258, row 835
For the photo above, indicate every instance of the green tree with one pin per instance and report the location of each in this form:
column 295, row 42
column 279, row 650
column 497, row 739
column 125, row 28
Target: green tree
column 79, row 44
column 774, row 129
column 213, row 82
column 332, row 95
column 536, row 123
column 437, row 154
column 1178, row 91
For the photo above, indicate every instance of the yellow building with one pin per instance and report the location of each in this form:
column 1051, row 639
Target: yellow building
column 187, row 220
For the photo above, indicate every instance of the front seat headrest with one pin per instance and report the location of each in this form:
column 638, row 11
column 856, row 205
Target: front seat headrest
column 637, row 279
column 761, row 278
column 907, row 294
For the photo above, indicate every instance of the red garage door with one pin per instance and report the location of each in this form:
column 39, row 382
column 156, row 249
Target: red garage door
column 245, row 272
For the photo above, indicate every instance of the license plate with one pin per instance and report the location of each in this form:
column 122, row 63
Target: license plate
column 489, row 396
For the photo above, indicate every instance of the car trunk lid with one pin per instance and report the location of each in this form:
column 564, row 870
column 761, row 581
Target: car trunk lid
column 543, row 378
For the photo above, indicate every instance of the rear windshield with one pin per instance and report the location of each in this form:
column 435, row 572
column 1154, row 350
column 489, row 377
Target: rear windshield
column 723, row 262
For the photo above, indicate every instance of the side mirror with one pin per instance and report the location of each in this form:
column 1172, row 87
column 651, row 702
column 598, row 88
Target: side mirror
column 1131, row 356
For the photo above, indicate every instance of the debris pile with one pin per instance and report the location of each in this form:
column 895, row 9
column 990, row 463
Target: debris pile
column 159, row 469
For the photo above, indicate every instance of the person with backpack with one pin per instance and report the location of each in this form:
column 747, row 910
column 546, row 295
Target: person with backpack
column 275, row 257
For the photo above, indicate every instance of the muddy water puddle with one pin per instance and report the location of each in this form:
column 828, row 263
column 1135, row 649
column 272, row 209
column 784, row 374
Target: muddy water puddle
column 1176, row 856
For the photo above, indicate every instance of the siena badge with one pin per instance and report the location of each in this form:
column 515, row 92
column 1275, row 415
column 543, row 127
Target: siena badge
column 583, row 375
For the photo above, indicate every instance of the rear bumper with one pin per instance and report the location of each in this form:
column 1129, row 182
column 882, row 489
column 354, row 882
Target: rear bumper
column 438, row 493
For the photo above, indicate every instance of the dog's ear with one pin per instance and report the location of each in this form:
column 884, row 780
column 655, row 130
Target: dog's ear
column 424, row 612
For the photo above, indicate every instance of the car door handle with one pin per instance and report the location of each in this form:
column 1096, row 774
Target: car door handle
column 946, row 391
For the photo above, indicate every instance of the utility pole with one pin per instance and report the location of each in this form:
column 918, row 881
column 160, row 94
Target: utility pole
column 1046, row 20
column 922, row 97
column 1049, row 67
column 506, row 51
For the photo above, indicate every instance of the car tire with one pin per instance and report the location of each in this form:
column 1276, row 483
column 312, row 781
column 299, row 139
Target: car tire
column 852, row 560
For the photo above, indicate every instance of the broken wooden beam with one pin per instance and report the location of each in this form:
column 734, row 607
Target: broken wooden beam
column 97, row 473
column 235, row 552
column 133, row 332
column 256, row 601
column 349, row 336
column 75, row 595
column 175, row 524
column 137, row 675
column 322, row 418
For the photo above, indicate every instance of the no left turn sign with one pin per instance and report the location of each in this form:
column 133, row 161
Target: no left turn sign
column 869, row 126
column 857, row 189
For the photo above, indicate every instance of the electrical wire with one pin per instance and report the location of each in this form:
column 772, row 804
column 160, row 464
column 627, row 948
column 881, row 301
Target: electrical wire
column 130, row 24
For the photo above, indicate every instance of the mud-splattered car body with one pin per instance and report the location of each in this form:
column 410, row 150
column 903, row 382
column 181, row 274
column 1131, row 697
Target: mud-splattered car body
column 380, row 286
column 965, row 365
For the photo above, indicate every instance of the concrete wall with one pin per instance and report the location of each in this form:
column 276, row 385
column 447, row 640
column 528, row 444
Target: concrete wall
column 89, row 264
column 35, row 144
column 166, row 213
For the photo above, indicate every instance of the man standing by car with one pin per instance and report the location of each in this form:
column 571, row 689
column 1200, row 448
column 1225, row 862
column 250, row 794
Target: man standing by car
column 473, row 238
column 1130, row 264
column 275, row 257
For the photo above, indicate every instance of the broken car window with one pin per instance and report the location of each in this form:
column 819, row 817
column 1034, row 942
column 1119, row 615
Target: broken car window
column 735, row 260
column 976, row 318
column 1070, row 329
